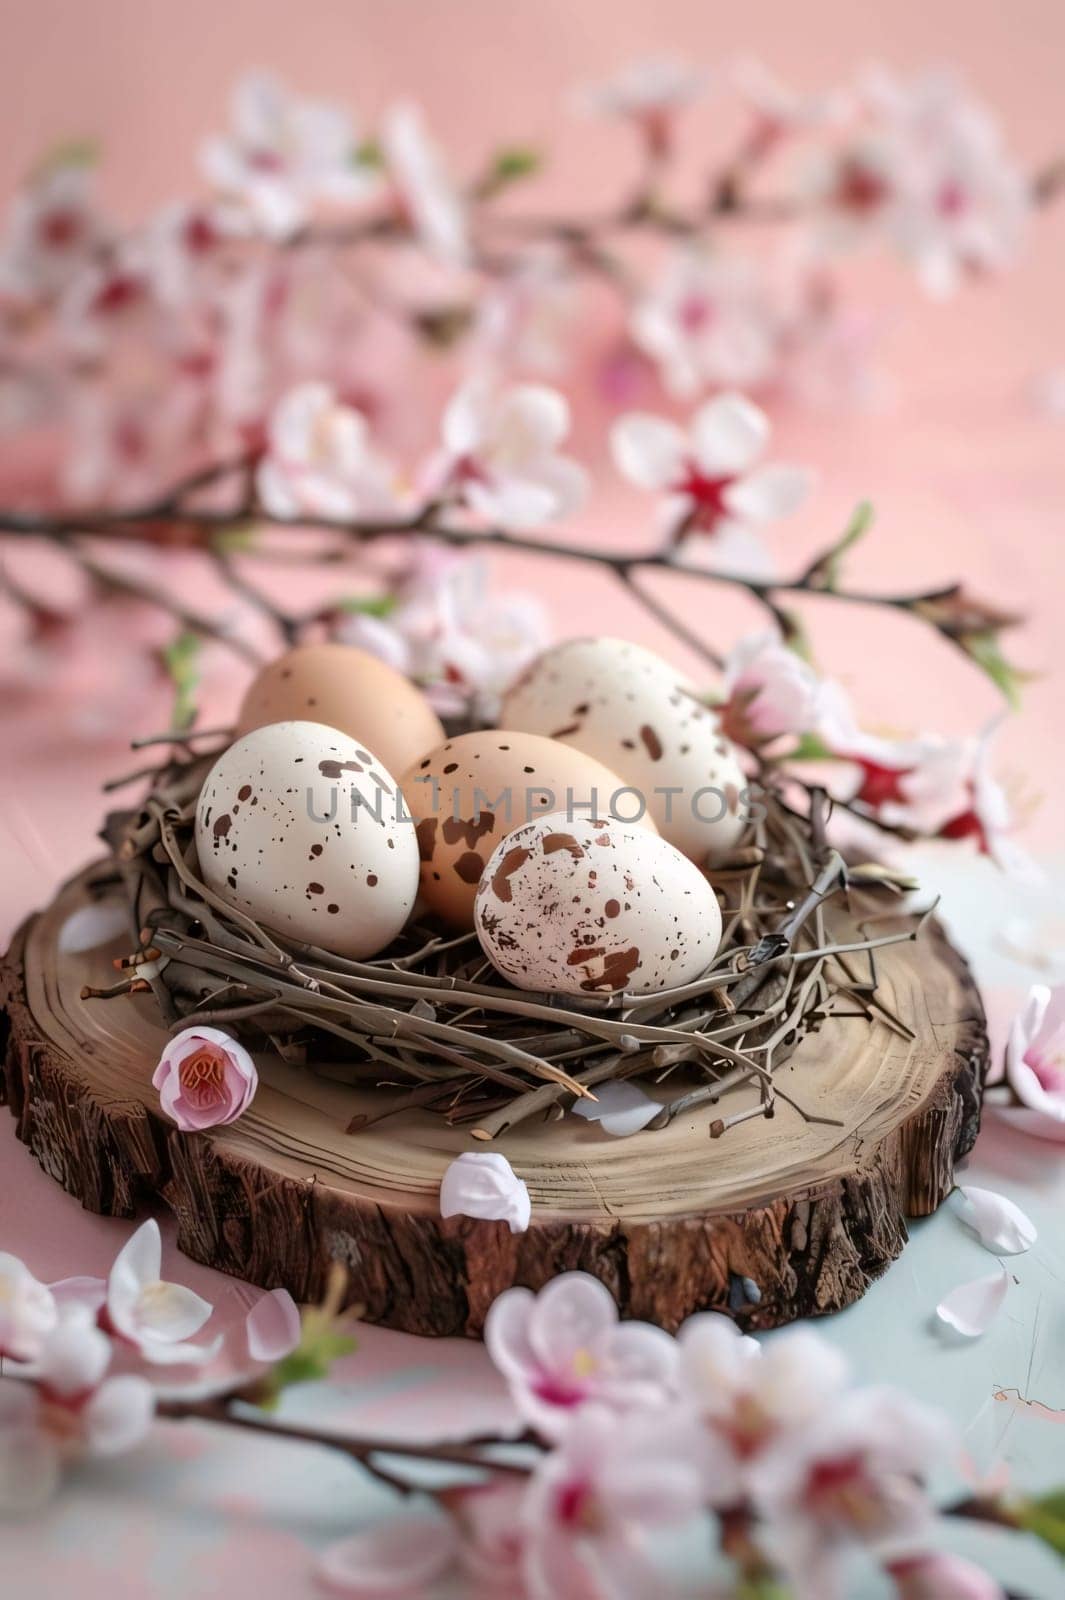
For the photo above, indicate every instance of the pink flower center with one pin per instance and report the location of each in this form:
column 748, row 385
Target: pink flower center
column 119, row 293
column 559, row 1391
column 840, row 1491
column 695, row 313
column 60, row 230
column 575, row 1506
column 881, row 785
column 859, row 188
column 199, row 235
column 952, row 199
column 202, row 1076
column 707, row 496
column 966, row 825
column 265, row 161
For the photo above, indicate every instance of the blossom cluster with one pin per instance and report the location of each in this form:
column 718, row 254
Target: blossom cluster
column 82, row 1361
column 645, row 1434
column 321, row 250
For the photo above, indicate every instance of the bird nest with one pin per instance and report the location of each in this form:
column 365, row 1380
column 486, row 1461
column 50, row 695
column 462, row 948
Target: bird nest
column 430, row 1022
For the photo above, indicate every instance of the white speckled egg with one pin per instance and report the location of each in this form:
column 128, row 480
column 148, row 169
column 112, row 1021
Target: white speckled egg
column 591, row 907
column 297, row 825
column 629, row 709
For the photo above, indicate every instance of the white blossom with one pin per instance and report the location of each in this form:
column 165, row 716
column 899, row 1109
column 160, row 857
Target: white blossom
column 711, row 320
column 27, row 1310
column 320, row 459
column 156, row 1317
column 284, row 156
column 52, row 233
column 424, row 186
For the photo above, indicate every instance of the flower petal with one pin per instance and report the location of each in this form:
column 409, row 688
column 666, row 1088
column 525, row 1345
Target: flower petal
column 619, row 1108
column 506, row 1332
column 170, row 1312
column 648, row 450
column 484, row 1184
column 999, row 1224
column 272, row 1326
column 531, row 419
column 769, row 493
column 972, row 1307
column 119, row 1415
column 93, row 925
column 729, row 434
column 572, row 1312
column 395, row 1557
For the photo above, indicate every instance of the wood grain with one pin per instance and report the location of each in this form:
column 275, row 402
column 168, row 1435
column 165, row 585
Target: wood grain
column 776, row 1220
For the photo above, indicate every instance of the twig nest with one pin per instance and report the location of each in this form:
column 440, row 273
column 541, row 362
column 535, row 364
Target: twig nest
column 298, row 826
column 592, row 907
column 636, row 714
column 473, row 790
column 348, row 689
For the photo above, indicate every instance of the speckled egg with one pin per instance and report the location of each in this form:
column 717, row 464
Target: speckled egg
column 635, row 713
column 301, row 827
column 474, row 789
column 592, row 907
column 347, row 689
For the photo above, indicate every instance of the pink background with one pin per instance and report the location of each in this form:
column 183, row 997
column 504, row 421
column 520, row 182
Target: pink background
column 967, row 475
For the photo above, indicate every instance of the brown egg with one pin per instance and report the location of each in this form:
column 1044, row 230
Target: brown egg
column 348, row 689
column 468, row 794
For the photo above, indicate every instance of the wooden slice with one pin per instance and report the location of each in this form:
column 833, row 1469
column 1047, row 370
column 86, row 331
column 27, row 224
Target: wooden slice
column 775, row 1220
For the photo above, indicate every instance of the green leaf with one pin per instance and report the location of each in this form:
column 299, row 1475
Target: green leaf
column 986, row 650
column 368, row 154
column 367, row 605
column 811, row 748
column 68, row 153
column 514, row 162
column 181, row 661
column 825, row 570
column 761, row 1586
column 231, row 541
column 1044, row 1516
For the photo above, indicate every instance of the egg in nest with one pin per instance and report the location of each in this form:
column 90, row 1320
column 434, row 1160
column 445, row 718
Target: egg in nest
column 473, row 790
column 594, row 906
column 349, row 689
column 301, row 828
column 629, row 709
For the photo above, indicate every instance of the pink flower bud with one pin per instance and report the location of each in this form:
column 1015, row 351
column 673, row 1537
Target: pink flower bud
column 205, row 1079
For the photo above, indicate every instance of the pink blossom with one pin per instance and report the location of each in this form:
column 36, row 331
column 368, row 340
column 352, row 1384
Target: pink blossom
column 986, row 815
column 285, row 156
column 205, row 1078
column 942, row 1576
column 490, row 1520
column 501, row 454
column 565, row 1347
column 526, row 320
column 647, row 93
column 425, row 189
column 711, row 320
column 919, row 783
column 28, row 1311
column 1035, row 1063
column 595, row 1498
column 320, row 460
column 852, row 1476
column 779, row 109
column 52, row 233
column 750, row 1399
column 72, row 1409
column 713, row 487
column 927, row 172
column 450, row 631
column 770, row 691
column 156, row 1317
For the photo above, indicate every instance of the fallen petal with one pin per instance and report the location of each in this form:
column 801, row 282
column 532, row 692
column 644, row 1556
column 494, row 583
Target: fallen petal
column 999, row 1224
column 484, row 1184
column 91, row 926
column 619, row 1108
column 273, row 1326
column 972, row 1307
column 395, row 1557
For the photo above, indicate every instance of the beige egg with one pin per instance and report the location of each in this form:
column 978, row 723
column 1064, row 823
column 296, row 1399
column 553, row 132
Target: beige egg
column 631, row 710
column 303, row 829
column 593, row 907
column 472, row 791
column 348, row 689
